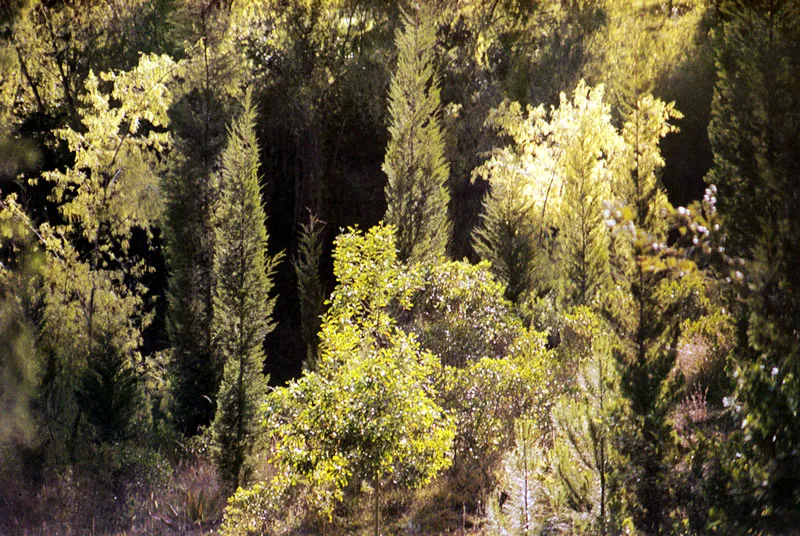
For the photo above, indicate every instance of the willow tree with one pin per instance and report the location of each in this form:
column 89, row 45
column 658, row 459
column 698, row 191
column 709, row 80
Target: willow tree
column 415, row 166
column 242, row 303
column 94, row 304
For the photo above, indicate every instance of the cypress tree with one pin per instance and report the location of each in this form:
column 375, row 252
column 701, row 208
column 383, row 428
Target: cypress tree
column 417, row 172
column 189, row 237
column 212, row 75
column 242, row 304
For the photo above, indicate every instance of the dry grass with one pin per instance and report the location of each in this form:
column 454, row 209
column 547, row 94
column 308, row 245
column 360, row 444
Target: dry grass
column 187, row 501
column 692, row 410
column 192, row 503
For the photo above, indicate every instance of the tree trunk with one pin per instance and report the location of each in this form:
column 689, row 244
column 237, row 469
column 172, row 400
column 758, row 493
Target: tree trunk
column 377, row 508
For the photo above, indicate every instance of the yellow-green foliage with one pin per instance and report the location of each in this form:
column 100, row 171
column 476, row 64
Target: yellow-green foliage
column 459, row 313
column 19, row 368
column 113, row 185
column 55, row 46
column 368, row 413
column 587, row 147
column 93, row 290
column 642, row 42
column 557, row 174
column 521, row 177
column 485, row 398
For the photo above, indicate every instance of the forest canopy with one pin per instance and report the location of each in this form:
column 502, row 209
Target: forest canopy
column 488, row 267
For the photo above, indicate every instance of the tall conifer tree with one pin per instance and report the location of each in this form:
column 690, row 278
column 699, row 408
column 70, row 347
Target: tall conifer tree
column 511, row 221
column 417, row 172
column 242, row 303
column 585, row 140
column 507, row 235
column 645, row 312
column 753, row 133
column 210, row 88
column 310, row 287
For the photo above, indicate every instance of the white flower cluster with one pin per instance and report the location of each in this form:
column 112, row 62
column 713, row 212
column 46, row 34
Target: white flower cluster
column 710, row 196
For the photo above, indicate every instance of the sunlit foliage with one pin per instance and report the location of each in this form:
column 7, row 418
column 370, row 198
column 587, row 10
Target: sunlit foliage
column 415, row 167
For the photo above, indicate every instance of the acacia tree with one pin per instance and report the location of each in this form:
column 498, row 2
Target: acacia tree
column 368, row 413
column 242, row 304
column 416, row 190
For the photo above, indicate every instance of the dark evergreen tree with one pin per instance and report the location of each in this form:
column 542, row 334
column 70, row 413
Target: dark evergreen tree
column 310, row 287
column 507, row 236
column 242, row 303
column 199, row 118
column 108, row 393
column 753, row 132
column 194, row 372
column 416, row 190
column 646, row 310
